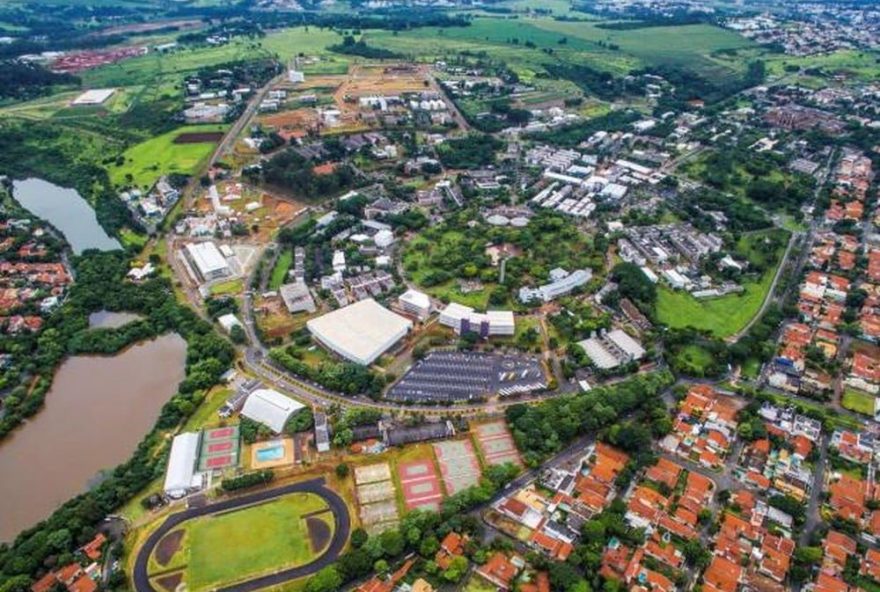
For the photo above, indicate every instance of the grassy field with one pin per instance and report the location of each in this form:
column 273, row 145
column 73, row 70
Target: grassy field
column 721, row 316
column 153, row 67
column 860, row 65
column 279, row 272
column 259, row 539
column 858, row 401
column 697, row 358
column 149, row 160
column 288, row 43
column 726, row 315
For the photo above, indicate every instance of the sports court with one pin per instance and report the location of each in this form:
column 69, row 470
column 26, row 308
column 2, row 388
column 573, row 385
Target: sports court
column 372, row 473
column 376, row 497
column 458, row 464
column 421, row 487
column 496, row 444
column 219, row 449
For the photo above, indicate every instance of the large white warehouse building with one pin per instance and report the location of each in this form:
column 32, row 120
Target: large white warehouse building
column 360, row 332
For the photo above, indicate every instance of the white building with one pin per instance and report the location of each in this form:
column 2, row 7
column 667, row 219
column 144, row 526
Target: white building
column 95, row 96
column 415, row 302
column 464, row 319
column 208, row 261
column 270, row 408
column 563, row 283
column 612, row 349
column 228, row 321
column 180, row 476
column 360, row 332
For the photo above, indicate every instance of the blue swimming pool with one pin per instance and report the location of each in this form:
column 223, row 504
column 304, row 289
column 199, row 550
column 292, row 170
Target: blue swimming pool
column 272, row 453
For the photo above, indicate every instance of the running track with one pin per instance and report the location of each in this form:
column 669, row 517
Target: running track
column 315, row 486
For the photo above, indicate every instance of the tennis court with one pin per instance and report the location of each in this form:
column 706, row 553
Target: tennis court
column 496, row 444
column 458, row 464
column 219, row 449
column 215, row 463
column 376, row 497
column 421, row 487
column 372, row 473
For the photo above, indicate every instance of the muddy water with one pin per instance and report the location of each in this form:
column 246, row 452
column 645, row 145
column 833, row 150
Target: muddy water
column 96, row 412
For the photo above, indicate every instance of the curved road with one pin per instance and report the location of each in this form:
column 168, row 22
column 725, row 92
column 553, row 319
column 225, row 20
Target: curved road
column 314, row 486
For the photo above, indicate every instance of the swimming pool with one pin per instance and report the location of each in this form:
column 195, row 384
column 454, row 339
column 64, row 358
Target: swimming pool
column 272, row 453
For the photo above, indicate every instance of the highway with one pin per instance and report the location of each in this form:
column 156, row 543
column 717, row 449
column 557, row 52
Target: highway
column 315, row 486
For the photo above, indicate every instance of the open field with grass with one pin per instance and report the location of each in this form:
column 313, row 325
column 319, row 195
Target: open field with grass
column 721, row 316
column 858, row 401
column 231, row 547
column 696, row 359
column 149, row 160
column 861, row 65
column 279, row 272
column 149, row 69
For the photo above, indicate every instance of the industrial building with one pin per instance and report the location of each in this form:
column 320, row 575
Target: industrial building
column 610, row 350
column 464, row 319
column 416, row 303
column 207, row 261
column 360, row 332
column 270, row 408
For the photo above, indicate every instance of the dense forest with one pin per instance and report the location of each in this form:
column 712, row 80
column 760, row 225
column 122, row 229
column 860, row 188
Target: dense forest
column 293, row 172
column 22, row 80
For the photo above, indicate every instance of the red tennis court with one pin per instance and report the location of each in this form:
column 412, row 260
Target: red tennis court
column 220, row 462
column 220, row 433
column 421, row 487
column 220, row 447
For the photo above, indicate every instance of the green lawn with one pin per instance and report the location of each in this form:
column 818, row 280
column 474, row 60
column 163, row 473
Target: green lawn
column 158, row 156
column 231, row 547
column 858, row 401
column 279, row 272
column 697, row 358
column 721, row 316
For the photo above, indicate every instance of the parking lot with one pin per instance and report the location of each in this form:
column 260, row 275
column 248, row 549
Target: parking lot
column 448, row 376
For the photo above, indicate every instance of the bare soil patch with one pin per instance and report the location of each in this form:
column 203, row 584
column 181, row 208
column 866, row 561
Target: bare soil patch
column 168, row 546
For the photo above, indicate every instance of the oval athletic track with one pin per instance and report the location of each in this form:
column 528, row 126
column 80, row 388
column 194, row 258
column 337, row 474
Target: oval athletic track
column 315, row 486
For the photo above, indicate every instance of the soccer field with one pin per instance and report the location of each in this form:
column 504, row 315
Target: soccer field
column 226, row 548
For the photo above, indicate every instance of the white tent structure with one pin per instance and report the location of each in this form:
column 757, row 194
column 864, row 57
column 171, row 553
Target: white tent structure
column 270, row 408
column 180, row 476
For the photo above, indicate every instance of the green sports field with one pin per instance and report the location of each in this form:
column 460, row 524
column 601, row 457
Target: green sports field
column 158, row 156
column 259, row 539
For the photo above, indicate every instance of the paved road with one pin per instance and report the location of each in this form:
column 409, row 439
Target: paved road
column 314, row 486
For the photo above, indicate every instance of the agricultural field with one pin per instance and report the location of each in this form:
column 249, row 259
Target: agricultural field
column 162, row 155
column 230, row 547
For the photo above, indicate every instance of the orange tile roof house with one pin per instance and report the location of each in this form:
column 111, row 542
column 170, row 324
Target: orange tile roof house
column 93, row 548
column 837, row 547
column 501, row 571
column 722, row 575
